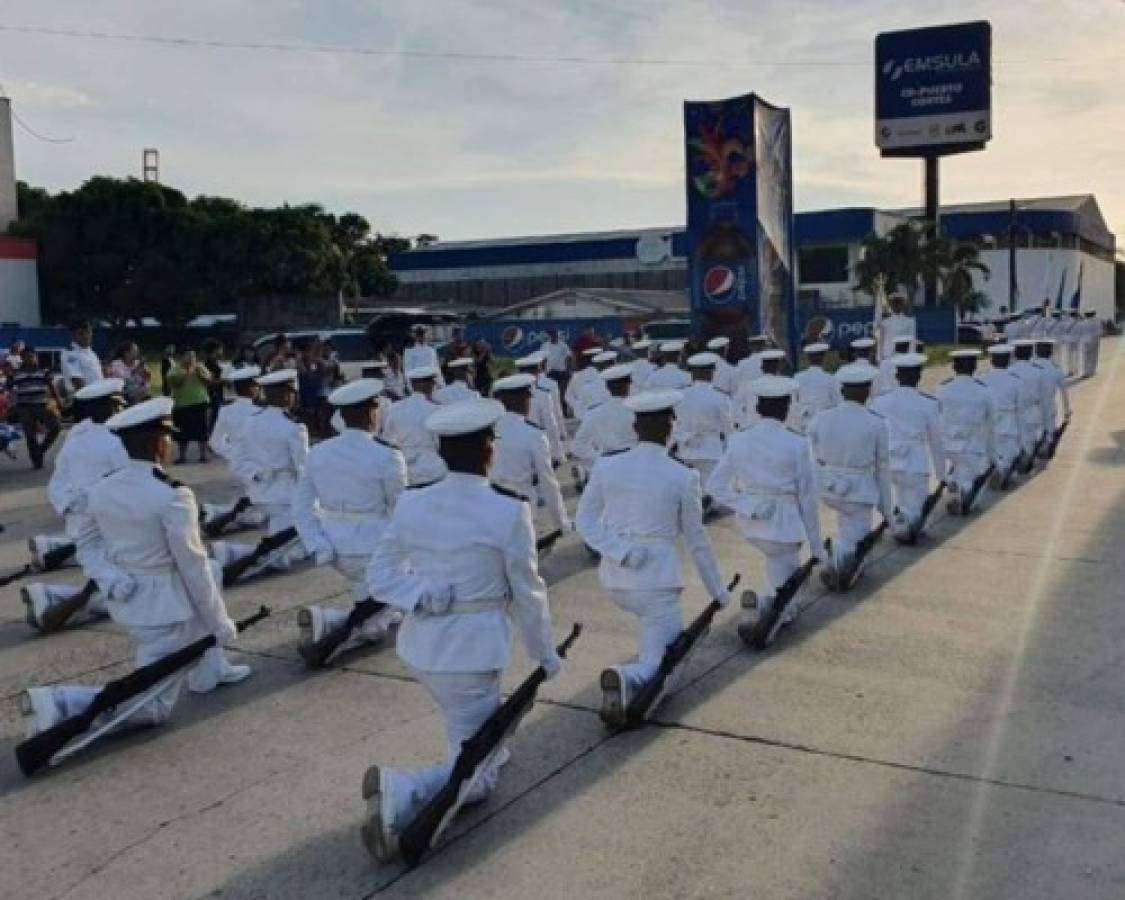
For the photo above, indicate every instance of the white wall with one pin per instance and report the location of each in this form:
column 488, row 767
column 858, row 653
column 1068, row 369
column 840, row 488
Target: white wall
column 1038, row 273
column 19, row 291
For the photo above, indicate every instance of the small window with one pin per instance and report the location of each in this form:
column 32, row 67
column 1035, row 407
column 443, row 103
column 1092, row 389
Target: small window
column 823, row 265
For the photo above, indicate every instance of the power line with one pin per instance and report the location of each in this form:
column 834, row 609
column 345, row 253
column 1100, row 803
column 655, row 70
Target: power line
column 22, row 124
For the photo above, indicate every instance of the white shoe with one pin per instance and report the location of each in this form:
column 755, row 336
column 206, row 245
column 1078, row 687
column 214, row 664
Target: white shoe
column 41, row 706
column 233, row 674
column 226, row 552
column 378, row 830
column 42, row 544
column 209, row 675
column 36, row 602
column 615, row 700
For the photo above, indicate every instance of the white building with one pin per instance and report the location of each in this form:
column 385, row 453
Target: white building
column 19, row 280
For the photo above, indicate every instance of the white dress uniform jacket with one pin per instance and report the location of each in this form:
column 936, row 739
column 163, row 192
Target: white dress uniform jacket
column 544, row 414
column 80, row 362
column 521, row 462
column 667, row 378
column 557, row 355
column 346, row 493
column 271, row 450
column 965, row 408
column 419, row 356
column 454, row 392
column 725, row 378
column 1031, row 401
column 851, row 449
column 230, row 420
column 816, row 390
column 643, row 498
column 149, row 530
column 887, row 379
column 914, row 427
column 464, row 534
column 766, row 477
column 607, row 428
column 1004, row 389
column 893, row 327
column 406, row 429
column 641, row 373
column 90, row 453
column 586, row 387
column 704, row 421
column 1053, row 383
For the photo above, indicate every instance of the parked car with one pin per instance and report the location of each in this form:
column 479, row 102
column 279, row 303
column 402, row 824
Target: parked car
column 976, row 333
column 668, row 329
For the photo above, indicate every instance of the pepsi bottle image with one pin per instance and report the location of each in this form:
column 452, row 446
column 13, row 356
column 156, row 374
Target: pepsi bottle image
column 723, row 277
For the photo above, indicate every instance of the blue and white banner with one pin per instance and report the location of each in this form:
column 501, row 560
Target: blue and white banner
column 933, row 89
column 518, row 337
column 839, row 327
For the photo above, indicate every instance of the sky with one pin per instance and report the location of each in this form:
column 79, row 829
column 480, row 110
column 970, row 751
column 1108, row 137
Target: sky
column 465, row 147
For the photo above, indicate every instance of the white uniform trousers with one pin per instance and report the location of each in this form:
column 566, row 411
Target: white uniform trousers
column 661, row 621
column 1007, row 447
column 251, row 517
column 853, row 522
column 783, row 558
column 965, row 468
column 153, row 642
column 910, row 493
column 466, row 700
column 704, row 467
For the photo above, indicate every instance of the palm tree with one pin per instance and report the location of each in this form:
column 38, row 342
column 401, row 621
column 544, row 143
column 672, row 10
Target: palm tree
column 955, row 263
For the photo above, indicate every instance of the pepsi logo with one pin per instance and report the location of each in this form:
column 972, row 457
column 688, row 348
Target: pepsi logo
column 511, row 337
column 719, row 283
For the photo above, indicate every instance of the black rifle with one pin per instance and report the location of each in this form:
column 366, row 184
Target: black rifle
column 1017, row 463
column 674, row 655
column 426, row 827
column 59, row 614
column 927, row 508
column 215, row 527
column 548, row 540
column 36, row 752
column 974, row 492
column 1056, row 437
column 867, row 542
column 266, row 546
column 316, row 655
column 1029, row 464
column 52, row 559
column 760, row 634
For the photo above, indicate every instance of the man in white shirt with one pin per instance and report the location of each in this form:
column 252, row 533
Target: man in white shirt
column 559, row 360
column 546, row 405
column 895, row 326
column 421, row 355
column 80, row 364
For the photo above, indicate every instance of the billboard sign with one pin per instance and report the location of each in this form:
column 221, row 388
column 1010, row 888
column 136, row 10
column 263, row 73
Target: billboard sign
column 933, row 89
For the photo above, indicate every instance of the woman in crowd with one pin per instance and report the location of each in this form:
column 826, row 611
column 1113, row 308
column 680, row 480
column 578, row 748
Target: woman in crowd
column 188, row 381
column 213, row 360
column 482, row 367
column 131, row 369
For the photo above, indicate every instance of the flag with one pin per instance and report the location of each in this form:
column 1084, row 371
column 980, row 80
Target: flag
column 1076, row 297
column 880, row 296
column 1062, row 287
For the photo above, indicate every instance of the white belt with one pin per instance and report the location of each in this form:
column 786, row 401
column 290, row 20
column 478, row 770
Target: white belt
column 145, row 571
column 848, row 470
column 472, row 607
column 353, row 515
column 772, row 492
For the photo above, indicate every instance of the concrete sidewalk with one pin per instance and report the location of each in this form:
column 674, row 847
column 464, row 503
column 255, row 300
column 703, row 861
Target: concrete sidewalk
column 953, row 728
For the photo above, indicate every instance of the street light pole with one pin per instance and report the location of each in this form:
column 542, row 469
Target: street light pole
column 1013, row 288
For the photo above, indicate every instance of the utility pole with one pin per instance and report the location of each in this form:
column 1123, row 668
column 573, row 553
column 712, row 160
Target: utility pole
column 932, row 190
column 1013, row 287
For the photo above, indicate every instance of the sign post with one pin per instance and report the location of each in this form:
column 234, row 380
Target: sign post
column 933, row 98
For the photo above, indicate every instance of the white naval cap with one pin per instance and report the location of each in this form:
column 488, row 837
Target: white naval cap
column 616, row 373
column 964, row 354
column 774, row 386
column 653, row 401
column 642, row 344
column 703, row 361
column 519, row 382
column 856, row 373
column 243, row 373
column 910, row 360
column 158, row 410
column 760, row 338
column 617, row 342
column 376, row 364
column 355, row 392
column 421, row 373
column 1000, row 349
column 863, row 343
column 771, row 354
column 104, row 387
column 819, row 347
column 461, row 362
column 531, row 361
column 281, row 376
column 1044, row 340
column 606, row 356
column 904, row 339
column 1023, row 342
column 592, row 351
column 465, row 417
column 672, row 346
column 718, row 343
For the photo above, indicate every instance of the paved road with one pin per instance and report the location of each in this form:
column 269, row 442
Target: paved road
column 952, row 729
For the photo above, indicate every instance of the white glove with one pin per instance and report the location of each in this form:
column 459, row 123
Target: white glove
column 437, row 599
column 324, row 556
column 635, row 558
column 226, row 632
column 552, row 665
column 122, row 588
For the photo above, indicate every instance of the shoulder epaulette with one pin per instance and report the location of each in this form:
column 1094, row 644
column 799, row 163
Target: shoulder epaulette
column 981, row 383
column 161, row 475
column 508, row 493
column 673, row 456
column 949, row 379
column 795, row 431
column 385, row 443
column 593, row 406
column 613, row 452
column 540, row 387
column 535, row 425
column 875, row 414
column 928, row 396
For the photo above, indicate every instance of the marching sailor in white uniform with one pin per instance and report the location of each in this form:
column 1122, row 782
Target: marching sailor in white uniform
column 643, row 366
column 406, row 429
column 89, row 453
column 915, row 444
column 346, row 493
column 894, row 328
column 1090, row 342
column 766, row 477
column 1053, row 383
column 147, row 527
column 817, row 390
column 1031, row 414
column 271, row 454
column 586, row 386
column 546, row 404
column 669, row 377
column 521, row 458
column 704, row 420
column 725, row 378
column 636, row 506
column 457, row 387
column 767, row 362
column 608, row 427
column 887, row 379
column 1004, row 389
column 863, row 350
column 458, row 558
column 965, row 409
column 851, row 449
column 226, row 439
column 749, row 368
